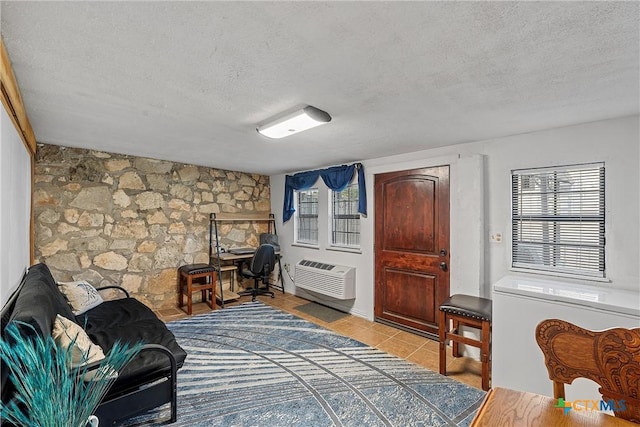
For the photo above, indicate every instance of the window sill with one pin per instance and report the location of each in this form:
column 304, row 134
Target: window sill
column 562, row 275
column 343, row 249
column 305, row 245
column 613, row 300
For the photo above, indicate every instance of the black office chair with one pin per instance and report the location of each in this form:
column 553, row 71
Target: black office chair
column 260, row 269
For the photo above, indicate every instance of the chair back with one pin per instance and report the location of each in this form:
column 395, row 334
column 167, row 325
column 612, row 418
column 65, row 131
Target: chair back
column 611, row 358
column 270, row 239
column 263, row 260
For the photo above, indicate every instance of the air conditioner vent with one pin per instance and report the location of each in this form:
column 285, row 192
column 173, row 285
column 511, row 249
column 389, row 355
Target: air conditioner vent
column 337, row 281
column 315, row 264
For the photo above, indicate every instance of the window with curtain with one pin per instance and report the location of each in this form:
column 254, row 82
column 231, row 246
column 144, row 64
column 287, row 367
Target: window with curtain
column 344, row 217
column 306, row 216
column 558, row 219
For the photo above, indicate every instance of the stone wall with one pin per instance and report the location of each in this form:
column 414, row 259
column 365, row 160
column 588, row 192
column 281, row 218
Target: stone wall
column 117, row 219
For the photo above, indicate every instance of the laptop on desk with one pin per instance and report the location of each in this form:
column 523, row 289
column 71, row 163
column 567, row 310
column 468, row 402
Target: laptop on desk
column 242, row 251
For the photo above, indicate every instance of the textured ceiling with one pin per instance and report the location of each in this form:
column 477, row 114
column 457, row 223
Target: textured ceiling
column 189, row 81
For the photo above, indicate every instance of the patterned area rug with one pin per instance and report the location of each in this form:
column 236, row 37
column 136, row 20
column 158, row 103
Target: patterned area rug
column 253, row 365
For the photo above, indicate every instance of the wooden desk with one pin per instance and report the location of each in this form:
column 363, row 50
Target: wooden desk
column 215, row 219
column 233, row 258
column 504, row 407
column 237, row 259
column 229, row 257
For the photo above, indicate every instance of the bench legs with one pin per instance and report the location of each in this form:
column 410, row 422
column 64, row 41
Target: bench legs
column 456, row 338
column 442, row 332
column 485, row 354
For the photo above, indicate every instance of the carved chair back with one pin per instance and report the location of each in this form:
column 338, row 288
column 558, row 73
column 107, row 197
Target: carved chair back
column 611, row 358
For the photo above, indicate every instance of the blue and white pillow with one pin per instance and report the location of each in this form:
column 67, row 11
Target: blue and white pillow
column 81, row 295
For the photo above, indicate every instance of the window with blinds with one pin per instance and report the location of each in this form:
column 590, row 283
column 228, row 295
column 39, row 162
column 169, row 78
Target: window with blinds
column 345, row 219
column 306, row 217
column 558, row 219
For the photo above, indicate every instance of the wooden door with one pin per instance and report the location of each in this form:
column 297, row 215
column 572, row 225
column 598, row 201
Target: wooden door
column 412, row 247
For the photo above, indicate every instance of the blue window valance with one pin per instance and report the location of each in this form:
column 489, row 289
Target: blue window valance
column 337, row 178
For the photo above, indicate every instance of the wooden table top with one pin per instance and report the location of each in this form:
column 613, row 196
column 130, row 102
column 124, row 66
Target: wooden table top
column 505, row 407
column 228, row 256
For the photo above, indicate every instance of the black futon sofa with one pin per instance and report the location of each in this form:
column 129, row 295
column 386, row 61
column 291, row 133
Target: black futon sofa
column 148, row 381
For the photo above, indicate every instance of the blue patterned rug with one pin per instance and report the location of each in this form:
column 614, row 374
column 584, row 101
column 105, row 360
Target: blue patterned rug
column 253, row 365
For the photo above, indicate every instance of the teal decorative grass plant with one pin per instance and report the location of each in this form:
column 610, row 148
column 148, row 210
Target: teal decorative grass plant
column 49, row 391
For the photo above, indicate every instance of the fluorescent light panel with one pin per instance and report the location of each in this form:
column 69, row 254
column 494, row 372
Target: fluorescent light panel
column 298, row 121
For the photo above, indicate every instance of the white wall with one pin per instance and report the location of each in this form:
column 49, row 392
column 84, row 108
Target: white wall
column 480, row 205
column 15, row 207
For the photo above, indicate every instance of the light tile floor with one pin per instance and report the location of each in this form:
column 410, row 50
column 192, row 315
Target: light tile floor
column 417, row 349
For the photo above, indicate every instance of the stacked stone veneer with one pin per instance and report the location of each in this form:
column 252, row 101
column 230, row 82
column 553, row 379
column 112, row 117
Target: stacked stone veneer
column 131, row 221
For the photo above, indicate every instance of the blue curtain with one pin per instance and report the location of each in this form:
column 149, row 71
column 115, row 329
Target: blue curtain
column 336, row 178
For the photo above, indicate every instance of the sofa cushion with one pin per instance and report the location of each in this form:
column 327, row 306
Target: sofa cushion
column 148, row 365
column 39, row 301
column 129, row 321
column 80, row 295
column 114, row 314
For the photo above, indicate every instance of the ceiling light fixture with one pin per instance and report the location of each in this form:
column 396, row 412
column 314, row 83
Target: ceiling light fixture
column 297, row 121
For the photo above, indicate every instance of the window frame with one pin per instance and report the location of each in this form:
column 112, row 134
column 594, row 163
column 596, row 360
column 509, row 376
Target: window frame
column 353, row 186
column 299, row 215
column 553, row 244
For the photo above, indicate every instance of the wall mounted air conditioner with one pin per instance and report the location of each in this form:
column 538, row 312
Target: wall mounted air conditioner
column 337, row 281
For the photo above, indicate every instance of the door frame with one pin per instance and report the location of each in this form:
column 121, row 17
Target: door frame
column 424, row 263
column 466, row 229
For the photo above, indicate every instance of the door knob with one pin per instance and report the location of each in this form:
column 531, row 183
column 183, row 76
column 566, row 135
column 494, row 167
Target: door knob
column 443, row 252
column 443, row 266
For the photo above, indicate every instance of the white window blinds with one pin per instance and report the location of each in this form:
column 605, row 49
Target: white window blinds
column 345, row 218
column 306, row 219
column 558, row 219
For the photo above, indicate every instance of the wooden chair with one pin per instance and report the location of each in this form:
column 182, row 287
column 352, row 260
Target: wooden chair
column 611, row 358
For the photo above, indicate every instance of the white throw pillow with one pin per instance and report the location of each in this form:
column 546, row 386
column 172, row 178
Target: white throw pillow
column 84, row 351
column 81, row 295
